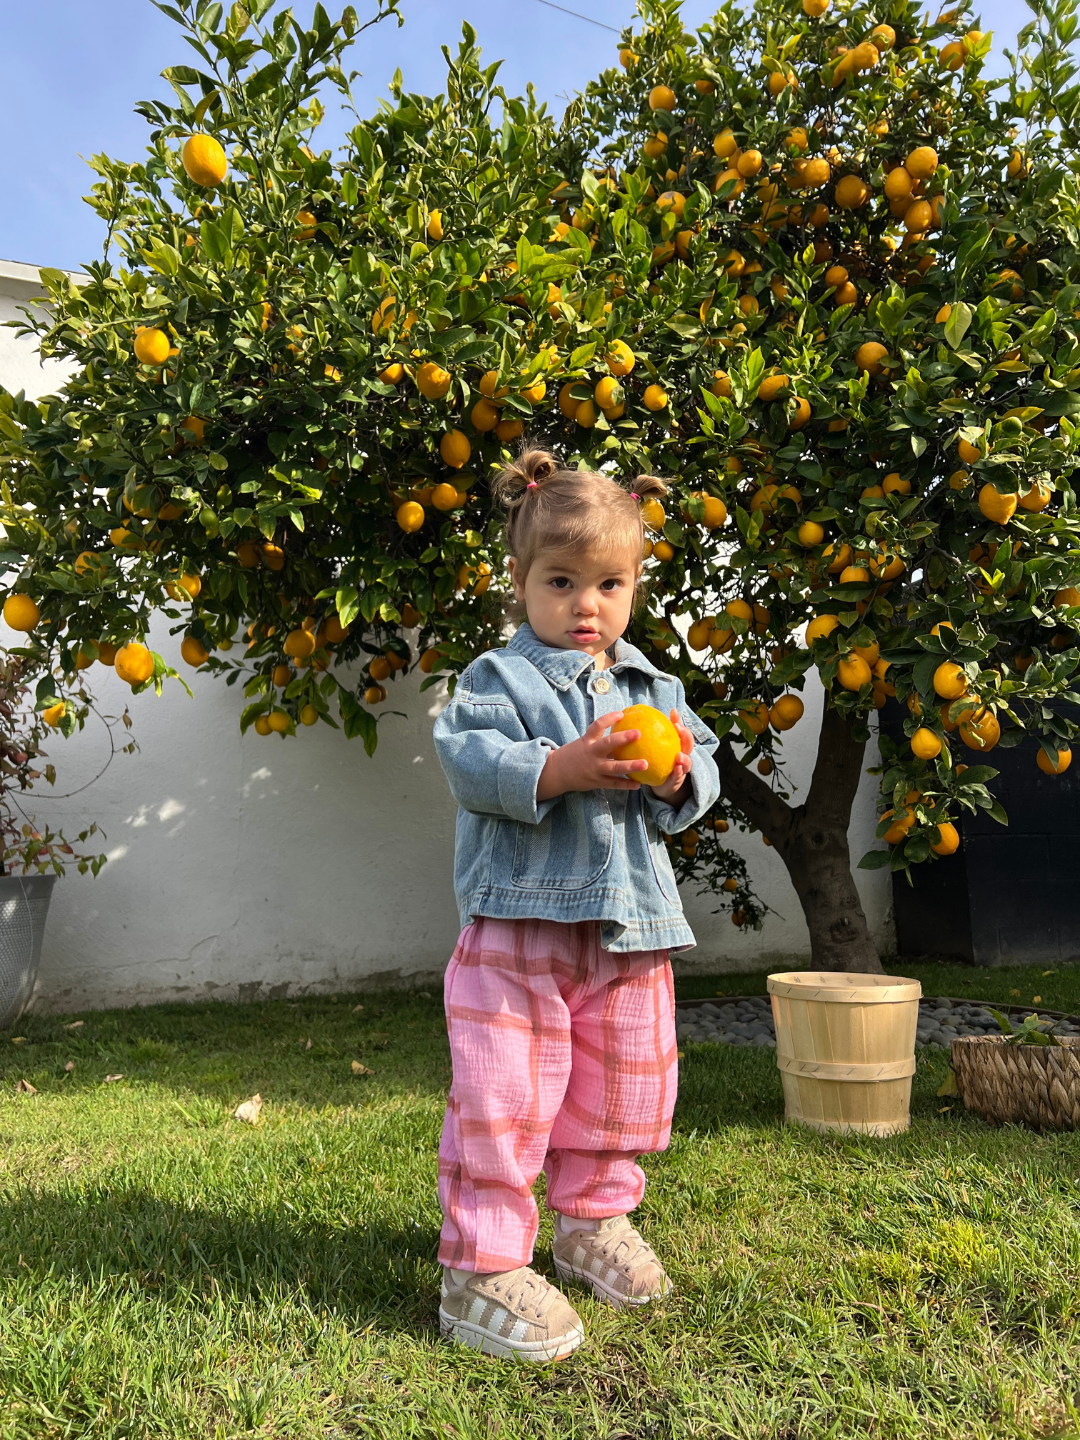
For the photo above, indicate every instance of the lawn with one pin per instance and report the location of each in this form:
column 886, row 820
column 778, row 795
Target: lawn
column 167, row 1270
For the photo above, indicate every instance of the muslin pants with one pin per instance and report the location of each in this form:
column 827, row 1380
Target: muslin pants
column 564, row 1058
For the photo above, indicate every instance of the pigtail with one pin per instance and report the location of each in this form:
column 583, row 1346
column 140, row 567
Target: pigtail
column 518, row 479
column 648, row 487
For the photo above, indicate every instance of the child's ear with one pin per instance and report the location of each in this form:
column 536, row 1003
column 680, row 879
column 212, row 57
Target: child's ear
column 515, row 578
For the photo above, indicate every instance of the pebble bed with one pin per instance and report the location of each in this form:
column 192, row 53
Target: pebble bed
column 750, row 1022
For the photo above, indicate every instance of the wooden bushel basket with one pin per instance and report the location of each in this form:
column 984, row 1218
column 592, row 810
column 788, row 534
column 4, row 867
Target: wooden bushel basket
column 1032, row 1085
column 845, row 1045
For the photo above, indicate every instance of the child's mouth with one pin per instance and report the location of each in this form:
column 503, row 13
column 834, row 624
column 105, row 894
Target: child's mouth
column 586, row 633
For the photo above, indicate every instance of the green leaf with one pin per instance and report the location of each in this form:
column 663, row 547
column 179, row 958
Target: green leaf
column 958, row 324
column 347, row 602
column 875, row 860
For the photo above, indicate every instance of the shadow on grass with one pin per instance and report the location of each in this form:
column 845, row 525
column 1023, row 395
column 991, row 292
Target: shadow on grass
column 374, row 1274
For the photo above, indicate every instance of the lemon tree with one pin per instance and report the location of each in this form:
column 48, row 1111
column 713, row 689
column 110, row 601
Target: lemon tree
column 806, row 262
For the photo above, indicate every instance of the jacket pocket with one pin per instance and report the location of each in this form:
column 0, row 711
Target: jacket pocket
column 569, row 849
column 658, row 855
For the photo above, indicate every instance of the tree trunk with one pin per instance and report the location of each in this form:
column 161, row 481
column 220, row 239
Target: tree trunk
column 811, row 839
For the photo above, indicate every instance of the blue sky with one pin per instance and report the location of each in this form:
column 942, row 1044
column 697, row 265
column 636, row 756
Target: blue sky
column 74, row 70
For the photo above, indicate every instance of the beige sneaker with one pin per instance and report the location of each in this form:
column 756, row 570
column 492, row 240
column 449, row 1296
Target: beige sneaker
column 515, row 1313
column 614, row 1260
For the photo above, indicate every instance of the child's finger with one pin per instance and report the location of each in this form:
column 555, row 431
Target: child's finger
column 685, row 736
column 621, row 737
column 604, row 722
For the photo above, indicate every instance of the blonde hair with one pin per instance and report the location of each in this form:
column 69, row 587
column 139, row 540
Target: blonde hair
column 549, row 509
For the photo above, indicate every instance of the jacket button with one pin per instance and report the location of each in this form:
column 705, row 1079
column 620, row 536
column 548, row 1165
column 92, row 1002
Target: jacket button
column 601, row 686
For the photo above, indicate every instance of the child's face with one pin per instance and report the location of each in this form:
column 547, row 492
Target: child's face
column 581, row 603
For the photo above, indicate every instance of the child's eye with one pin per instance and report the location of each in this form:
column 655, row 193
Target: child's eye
column 613, row 584
column 561, row 582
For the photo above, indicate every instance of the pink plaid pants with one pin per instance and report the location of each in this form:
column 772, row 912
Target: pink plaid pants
column 564, row 1059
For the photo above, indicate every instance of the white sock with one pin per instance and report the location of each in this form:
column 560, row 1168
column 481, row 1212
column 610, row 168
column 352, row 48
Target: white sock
column 457, row 1277
column 564, row 1224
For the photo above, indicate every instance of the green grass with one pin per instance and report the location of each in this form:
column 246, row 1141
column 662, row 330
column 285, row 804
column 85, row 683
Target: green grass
column 166, row 1270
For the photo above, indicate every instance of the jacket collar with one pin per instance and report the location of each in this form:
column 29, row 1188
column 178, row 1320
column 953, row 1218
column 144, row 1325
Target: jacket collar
column 563, row 667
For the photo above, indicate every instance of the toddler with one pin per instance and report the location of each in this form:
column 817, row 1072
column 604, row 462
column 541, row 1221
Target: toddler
column 559, row 997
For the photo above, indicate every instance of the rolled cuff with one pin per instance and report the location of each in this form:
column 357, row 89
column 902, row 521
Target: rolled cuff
column 519, row 769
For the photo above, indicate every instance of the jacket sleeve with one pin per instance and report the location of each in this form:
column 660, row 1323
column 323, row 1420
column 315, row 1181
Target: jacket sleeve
column 493, row 766
column 704, row 778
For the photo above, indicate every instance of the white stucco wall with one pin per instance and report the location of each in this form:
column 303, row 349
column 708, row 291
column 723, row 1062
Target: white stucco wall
column 249, row 865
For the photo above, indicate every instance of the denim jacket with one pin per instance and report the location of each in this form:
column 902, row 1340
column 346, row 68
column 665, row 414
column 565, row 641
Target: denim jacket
column 585, row 855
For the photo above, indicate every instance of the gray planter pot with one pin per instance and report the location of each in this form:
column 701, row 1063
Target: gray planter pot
column 24, row 903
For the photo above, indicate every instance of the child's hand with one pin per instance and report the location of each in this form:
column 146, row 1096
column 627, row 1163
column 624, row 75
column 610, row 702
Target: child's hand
column 587, row 764
column 673, row 790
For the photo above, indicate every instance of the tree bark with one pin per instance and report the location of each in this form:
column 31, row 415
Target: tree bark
column 812, row 841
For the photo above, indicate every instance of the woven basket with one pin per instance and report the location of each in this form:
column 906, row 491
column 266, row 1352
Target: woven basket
column 1036, row 1085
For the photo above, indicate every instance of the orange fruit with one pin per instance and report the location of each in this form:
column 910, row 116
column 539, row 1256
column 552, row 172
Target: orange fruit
column 299, row 644
column 658, row 743
column 925, row 745
column 432, row 380
column 444, row 496
column 811, row 533
column 152, row 347
column 484, row 416
column 620, row 358
column 1037, row 498
column 1069, row 596
column 273, row 557
column 948, row 841
column 995, row 506
column 134, row 663
column 204, row 160
column 21, row 613
column 508, row 430
column 980, row 731
column 921, row 163
column 820, row 626
column 869, row 356
column 1045, row 764
column 655, row 397
column 393, row 374
column 410, row 516
column 54, row 714
column 950, row 681
column 772, row 386
column 853, row 673
column 787, row 711
column 725, row 145
column 262, row 725
column 715, row 509
column 897, row 184
column 194, row 651
column 455, row 449
column 281, row 675
column 851, row 192
column 278, row 721
column 308, row 715
column 661, row 97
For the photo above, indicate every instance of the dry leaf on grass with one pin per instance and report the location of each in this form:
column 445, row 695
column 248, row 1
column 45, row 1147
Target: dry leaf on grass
column 75, row 1025
column 308, row 1045
column 110, row 1078
column 18, row 1039
column 249, row 1110
column 357, row 1009
column 948, row 1087
column 25, row 1088
column 69, row 1066
column 358, row 1069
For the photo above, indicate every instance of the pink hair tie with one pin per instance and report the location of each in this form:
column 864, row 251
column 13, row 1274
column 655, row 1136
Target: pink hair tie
column 531, row 485
column 634, row 495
